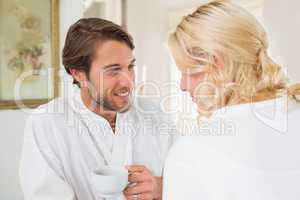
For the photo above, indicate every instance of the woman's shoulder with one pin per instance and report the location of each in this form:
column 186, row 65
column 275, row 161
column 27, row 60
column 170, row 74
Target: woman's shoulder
column 269, row 116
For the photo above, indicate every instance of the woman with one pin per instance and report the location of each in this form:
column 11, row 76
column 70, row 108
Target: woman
column 246, row 142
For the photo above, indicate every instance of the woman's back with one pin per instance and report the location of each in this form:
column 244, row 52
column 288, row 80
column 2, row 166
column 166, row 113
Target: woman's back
column 246, row 152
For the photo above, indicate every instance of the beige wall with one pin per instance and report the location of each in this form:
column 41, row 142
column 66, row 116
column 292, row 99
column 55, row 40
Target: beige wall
column 282, row 21
column 148, row 23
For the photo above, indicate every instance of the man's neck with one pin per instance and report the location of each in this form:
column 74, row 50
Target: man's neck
column 110, row 116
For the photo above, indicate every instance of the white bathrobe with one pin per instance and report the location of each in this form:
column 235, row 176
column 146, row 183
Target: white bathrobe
column 245, row 152
column 64, row 142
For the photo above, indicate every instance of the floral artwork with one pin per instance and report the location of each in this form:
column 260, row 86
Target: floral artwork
column 27, row 35
column 28, row 50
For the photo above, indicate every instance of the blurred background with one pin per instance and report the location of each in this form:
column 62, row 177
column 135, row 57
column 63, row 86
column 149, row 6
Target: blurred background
column 149, row 22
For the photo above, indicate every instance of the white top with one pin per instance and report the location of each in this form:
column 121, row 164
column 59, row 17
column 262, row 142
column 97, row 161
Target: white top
column 64, row 142
column 246, row 152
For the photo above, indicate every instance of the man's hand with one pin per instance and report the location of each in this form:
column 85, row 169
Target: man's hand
column 145, row 185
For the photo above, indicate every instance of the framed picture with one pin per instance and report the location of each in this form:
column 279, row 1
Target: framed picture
column 29, row 52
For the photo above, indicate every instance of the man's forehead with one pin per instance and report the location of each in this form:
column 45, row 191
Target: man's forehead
column 114, row 52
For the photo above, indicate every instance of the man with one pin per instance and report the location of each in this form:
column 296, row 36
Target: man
column 99, row 125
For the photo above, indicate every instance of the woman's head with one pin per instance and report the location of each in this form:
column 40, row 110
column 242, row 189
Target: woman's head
column 221, row 50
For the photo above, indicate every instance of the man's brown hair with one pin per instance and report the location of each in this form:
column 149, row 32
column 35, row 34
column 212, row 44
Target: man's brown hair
column 83, row 38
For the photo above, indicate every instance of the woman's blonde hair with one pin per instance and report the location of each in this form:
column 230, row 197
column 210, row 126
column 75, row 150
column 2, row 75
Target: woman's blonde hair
column 229, row 31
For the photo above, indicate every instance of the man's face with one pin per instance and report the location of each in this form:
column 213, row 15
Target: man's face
column 112, row 76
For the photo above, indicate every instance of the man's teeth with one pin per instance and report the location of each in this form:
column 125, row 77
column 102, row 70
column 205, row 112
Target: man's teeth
column 123, row 94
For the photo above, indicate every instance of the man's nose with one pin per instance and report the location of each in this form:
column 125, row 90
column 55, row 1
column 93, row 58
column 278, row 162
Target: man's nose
column 127, row 78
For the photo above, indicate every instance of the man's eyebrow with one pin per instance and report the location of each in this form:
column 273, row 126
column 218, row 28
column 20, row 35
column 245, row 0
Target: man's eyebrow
column 111, row 66
column 116, row 64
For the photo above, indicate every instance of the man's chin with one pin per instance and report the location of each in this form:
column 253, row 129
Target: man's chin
column 117, row 107
column 122, row 106
column 124, row 109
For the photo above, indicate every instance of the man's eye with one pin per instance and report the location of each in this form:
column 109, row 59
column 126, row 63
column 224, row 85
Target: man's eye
column 116, row 70
column 113, row 71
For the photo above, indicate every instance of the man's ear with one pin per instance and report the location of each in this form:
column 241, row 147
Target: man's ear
column 79, row 76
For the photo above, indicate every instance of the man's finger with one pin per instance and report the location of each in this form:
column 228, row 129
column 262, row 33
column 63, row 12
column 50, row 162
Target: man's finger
column 136, row 168
column 138, row 177
column 143, row 196
column 139, row 188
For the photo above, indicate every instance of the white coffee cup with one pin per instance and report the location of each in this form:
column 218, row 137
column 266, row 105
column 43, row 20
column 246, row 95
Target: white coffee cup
column 109, row 181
